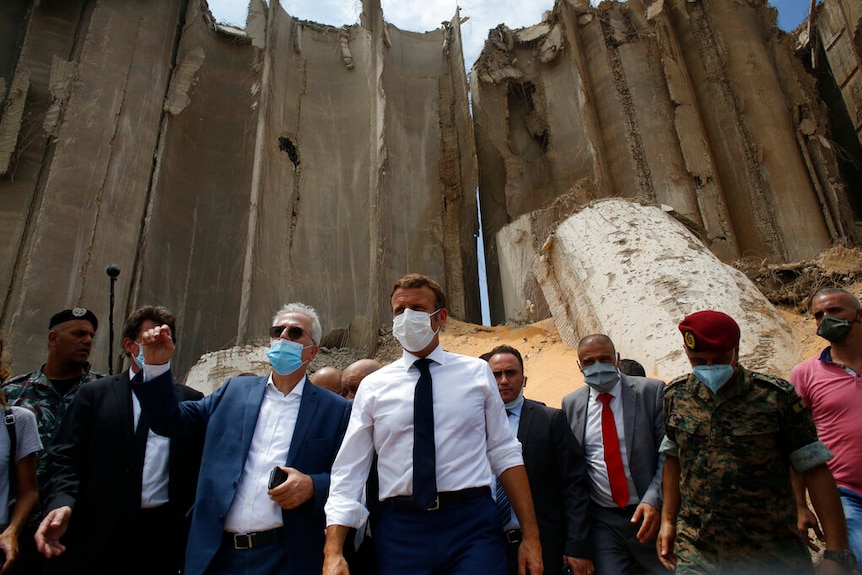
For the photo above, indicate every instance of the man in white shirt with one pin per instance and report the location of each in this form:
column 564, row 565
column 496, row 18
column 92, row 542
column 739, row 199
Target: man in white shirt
column 438, row 427
column 619, row 419
column 242, row 521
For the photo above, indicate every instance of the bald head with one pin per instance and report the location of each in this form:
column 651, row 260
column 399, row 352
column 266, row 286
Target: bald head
column 354, row 374
column 328, row 378
column 595, row 339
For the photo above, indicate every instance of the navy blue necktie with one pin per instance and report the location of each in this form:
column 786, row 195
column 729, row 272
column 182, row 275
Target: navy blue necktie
column 424, row 457
column 504, row 508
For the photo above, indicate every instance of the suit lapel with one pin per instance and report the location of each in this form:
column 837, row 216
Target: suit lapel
column 525, row 421
column 251, row 412
column 582, row 404
column 307, row 407
column 629, row 407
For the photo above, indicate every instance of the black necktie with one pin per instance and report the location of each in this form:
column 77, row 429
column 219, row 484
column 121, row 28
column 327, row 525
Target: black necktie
column 136, row 486
column 424, row 458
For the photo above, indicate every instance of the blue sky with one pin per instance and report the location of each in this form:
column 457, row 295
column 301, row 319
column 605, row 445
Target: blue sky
column 423, row 15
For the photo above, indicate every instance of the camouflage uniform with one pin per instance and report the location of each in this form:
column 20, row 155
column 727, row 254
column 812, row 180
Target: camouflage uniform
column 34, row 391
column 737, row 511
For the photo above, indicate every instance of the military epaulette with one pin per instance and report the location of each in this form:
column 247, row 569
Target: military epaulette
column 17, row 379
column 679, row 380
column 774, row 381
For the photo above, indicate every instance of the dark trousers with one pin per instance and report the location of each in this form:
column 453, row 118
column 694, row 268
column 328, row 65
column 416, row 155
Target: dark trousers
column 617, row 547
column 149, row 542
column 265, row 560
column 462, row 539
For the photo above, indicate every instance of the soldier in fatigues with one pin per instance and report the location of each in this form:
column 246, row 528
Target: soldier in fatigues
column 732, row 437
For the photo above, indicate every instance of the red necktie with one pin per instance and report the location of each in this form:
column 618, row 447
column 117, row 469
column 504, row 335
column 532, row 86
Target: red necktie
column 613, row 458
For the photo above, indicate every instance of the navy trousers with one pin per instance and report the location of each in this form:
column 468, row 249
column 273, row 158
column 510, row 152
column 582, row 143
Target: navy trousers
column 463, row 539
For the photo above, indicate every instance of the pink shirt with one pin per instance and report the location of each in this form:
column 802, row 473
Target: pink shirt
column 834, row 395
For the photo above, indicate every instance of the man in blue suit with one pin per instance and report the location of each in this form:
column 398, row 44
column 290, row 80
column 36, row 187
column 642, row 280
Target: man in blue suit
column 254, row 425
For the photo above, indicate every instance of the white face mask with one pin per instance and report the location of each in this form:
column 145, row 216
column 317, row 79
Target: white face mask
column 413, row 330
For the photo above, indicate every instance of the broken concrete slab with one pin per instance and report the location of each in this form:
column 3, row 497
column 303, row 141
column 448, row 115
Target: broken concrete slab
column 633, row 272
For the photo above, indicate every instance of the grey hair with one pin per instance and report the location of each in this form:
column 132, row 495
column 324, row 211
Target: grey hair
column 306, row 310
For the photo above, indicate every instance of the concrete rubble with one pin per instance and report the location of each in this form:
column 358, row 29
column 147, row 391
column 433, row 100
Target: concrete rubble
column 633, row 272
column 228, row 171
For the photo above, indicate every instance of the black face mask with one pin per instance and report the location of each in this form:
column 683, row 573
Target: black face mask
column 834, row 329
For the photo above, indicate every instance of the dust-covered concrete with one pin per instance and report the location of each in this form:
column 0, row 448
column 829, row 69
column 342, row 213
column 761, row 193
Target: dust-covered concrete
column 228, row 171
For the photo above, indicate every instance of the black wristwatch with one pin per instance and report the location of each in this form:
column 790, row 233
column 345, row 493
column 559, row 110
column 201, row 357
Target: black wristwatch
column 844, row 558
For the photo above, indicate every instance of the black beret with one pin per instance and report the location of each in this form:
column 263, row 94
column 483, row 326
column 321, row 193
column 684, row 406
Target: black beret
column 71, row 314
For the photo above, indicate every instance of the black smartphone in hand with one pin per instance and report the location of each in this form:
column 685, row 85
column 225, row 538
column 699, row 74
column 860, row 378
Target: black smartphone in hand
column 276, row 477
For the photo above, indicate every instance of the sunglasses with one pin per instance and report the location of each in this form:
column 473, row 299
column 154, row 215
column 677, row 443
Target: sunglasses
column 294, row 333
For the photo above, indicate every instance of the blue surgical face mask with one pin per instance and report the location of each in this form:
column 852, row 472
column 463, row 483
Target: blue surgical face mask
column 713, row 376
column 285, row 356
column 601, row 376
column 139, row 359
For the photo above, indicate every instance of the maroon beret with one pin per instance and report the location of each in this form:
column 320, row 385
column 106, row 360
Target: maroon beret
column 709, row 331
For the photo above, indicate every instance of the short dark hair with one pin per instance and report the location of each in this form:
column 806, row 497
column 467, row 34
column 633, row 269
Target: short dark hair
column 159, row 314
column 417, row 281
column 632, row 367
column 827, row 291
column 504, row 349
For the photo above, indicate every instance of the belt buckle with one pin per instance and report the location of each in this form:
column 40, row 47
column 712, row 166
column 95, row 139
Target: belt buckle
column 434, row 506
column 242, row 537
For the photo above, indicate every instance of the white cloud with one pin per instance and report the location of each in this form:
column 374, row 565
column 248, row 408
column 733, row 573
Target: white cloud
column 414, row 15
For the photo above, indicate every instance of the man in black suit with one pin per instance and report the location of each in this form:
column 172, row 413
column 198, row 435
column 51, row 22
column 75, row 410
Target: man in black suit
column 117, row 494
column 556, row 470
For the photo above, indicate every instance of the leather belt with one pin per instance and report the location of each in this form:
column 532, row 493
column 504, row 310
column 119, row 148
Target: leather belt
column 444, row 499
column 242, row 541
column 514, row 536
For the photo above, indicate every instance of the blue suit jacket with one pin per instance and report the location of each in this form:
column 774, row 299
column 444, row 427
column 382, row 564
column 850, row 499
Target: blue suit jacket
column 229, row 416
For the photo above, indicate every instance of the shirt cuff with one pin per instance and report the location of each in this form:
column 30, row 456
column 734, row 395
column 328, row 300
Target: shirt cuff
column 810, row 456
column 153, row 371
column 340, row 511
column 668, row 447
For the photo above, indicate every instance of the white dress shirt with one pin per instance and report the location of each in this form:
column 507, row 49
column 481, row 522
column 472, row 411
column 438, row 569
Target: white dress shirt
column 595, row 451
column 154, row 483
column 252, row 510
column 471, row 435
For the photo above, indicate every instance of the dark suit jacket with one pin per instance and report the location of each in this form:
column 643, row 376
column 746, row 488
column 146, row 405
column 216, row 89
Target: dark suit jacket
column 643, row 415
column 90, row 466
column 228, row 417
column 558, row 482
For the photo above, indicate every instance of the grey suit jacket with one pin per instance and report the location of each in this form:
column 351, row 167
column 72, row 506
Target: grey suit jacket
column 643, row 414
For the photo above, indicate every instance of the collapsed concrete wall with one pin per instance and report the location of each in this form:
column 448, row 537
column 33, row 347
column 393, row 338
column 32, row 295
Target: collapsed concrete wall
column 633, row 272
column 228, row 172
column 698, row 106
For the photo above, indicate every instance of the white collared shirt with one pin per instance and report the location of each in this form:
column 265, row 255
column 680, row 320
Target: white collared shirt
column 595, row 451
column 252, row 510
column 156, row 476
column 471, row 435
